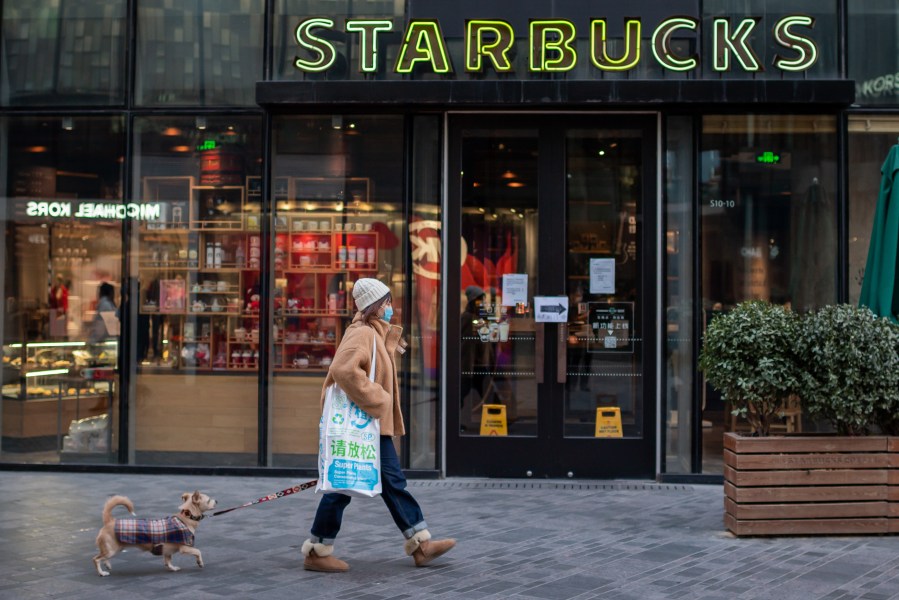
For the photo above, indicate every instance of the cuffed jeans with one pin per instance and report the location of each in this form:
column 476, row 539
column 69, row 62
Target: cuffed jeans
column 403, row 508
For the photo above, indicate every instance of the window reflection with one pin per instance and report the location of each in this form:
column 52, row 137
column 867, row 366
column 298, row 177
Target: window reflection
column 198, row 53
column 61, row 288
column 197, row 264
column 63, row 53
column 337, row 190
column 768, row 193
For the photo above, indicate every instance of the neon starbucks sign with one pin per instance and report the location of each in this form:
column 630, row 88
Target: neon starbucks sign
column 551, row 45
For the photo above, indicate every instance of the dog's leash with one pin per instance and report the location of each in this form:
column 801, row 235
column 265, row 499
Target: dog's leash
column 275, row 496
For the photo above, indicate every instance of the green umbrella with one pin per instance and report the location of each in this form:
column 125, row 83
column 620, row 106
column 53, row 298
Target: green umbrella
column 879, row 286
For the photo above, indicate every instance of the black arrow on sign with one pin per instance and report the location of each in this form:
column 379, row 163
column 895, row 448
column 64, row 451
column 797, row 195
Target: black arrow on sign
column 559, row 308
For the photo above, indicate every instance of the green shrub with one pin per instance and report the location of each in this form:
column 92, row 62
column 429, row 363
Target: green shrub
column 748, row 355
column 850, row 360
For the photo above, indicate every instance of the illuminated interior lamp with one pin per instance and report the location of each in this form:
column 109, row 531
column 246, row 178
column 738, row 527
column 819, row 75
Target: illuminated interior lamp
column 336, row 122
column 508, row 175
column 68, row 124
column 515, row 184
column 201, row 123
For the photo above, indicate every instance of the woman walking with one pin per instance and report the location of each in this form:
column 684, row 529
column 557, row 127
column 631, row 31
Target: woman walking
column 379, row 398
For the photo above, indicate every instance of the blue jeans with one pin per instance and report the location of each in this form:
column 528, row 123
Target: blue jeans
column 403, row 508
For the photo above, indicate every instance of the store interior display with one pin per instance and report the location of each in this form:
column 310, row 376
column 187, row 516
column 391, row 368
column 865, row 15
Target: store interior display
column 200, row 275
column 47, row 385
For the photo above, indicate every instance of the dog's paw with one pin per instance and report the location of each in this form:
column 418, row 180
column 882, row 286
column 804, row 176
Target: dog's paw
column 200, row 562
column 103, row 573
column 173, row 568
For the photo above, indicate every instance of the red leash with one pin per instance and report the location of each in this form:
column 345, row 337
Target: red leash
column 275, row 496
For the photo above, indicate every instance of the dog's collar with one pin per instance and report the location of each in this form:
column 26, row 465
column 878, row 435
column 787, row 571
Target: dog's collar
column 187, row 514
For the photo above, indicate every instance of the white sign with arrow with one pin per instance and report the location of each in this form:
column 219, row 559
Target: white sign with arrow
column 551, row 309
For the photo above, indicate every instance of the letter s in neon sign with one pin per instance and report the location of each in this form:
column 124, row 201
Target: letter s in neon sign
column 808, row 51
column 320, row 47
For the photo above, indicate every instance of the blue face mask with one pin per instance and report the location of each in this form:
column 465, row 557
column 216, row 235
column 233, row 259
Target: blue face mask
column 388, row 312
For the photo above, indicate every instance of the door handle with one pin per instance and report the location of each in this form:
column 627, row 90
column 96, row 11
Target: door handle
column 562, row 354
column 538, row 350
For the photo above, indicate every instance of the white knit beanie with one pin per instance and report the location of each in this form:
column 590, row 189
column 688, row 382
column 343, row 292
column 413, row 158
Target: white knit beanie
column 367, row 290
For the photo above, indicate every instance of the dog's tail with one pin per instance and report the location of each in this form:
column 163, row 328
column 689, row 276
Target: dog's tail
column 112, row 503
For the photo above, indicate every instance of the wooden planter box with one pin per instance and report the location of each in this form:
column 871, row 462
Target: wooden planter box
column 805, row 484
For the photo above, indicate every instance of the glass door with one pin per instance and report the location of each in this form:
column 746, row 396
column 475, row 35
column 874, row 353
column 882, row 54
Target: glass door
column 548, row 222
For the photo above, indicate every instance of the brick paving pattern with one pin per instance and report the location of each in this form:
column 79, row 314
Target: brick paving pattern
column 517, row 539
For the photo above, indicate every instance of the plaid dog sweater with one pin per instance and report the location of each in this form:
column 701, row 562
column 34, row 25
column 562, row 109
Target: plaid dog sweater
column 153, row 531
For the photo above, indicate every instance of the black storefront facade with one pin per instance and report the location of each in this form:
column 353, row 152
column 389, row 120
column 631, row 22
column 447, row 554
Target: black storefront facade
column 560, row 196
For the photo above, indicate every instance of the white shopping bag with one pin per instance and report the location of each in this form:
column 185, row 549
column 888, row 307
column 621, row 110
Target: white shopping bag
column 349, row 445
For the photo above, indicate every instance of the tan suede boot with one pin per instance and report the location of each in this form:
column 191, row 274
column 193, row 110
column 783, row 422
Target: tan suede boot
column 319, row 558
column 423, row 549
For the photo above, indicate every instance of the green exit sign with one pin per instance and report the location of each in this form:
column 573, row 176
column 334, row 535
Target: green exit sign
column 767, row 158
column 207, row 145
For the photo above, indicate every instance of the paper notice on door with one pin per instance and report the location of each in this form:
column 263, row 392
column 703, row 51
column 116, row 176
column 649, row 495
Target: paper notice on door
column 602, row 275
column 515, row 289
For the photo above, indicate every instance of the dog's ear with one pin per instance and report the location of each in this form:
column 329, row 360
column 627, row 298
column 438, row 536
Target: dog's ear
column 185, row 496
column 196, row 498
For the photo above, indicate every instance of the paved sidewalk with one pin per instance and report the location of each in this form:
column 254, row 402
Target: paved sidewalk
column 517, row 539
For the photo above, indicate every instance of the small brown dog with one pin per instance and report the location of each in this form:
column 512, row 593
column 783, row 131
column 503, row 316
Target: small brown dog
column 159, row 536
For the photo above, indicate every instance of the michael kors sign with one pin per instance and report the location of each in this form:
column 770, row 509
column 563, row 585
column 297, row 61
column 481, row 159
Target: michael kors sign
column 552, row 48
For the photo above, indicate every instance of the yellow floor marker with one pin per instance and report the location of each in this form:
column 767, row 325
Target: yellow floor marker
column 608, row 421
column 493, row 420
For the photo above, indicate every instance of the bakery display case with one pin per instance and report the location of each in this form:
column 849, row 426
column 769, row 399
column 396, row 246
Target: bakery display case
column 201, row 284
column 47, row 386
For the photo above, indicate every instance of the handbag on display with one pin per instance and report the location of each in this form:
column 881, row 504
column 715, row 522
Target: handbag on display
column 349, row 444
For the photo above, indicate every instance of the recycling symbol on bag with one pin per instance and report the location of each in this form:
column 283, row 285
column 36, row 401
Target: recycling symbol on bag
column 337, row 419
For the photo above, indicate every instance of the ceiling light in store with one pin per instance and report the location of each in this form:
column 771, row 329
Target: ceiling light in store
column 602, row 152
column 180, row 148
column 171, row 131
column 201, row 122
column 339, row 207
column 36, row 149
column 68, row 124
column 515, row 184
column 475, row 184
column 336, row 122
column 520, row 215
column 508, row 175
column 480, row 209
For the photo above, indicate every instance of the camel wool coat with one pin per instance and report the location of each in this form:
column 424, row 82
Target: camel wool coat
column 352, row 363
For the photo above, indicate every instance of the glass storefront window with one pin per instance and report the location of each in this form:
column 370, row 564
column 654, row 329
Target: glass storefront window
column 198, row 53
column 870, row 140
column 425, row 324
column 768, row 217
column 499, row 229
column 677, row 348
column 59, row 53
column 62, row 251
column 196, row 263
column 337, row 198
column 873, row 51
